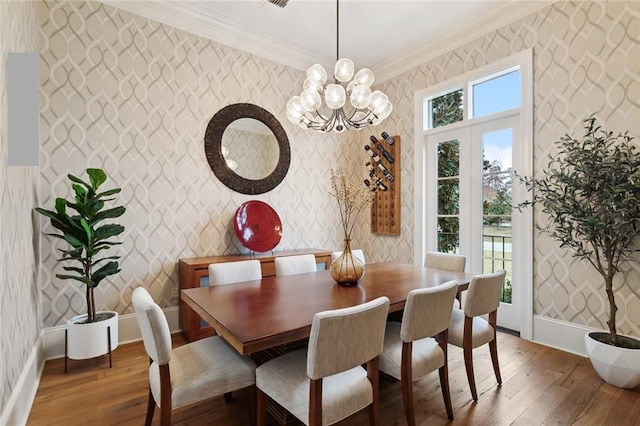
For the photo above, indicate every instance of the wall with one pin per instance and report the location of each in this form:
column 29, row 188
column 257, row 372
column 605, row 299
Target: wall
column 134, row 97
column 586, row 59
column 19, row 294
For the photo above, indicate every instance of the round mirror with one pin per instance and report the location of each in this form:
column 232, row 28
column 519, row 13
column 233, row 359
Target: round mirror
column 250, row 148
column 247, row 148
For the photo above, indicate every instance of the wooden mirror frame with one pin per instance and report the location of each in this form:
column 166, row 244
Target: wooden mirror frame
column 213, row 149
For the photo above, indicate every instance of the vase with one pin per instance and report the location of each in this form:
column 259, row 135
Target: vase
column 347, row 269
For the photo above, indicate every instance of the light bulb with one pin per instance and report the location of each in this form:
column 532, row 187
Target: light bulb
column 360, row 96
column 311, row 100
column 343, row 70
column 385, row 111
column 317, row 73
column 295, row 108
column 294, row 120
column 364, row 77
column 377, row 101
column 315, row 85
column 335, row 96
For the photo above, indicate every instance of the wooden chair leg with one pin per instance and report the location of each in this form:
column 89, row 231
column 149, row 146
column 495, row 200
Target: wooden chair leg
column 444, row 374
column 373, row 374
column 406, row 382
column 467, row 348
column 493, row 347
column 251, row 396
column 315, row 402
column 165, row 415
column 151, row 407
column 261, row 408
column 165, row 395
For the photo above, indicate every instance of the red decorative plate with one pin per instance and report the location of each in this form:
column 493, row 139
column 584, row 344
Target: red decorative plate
column 257, row 226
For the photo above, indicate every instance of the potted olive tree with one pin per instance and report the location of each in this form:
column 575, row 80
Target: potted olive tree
column 81, row 223
column 591, row 193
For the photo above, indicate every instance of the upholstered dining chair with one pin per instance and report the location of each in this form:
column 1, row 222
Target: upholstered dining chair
column 234, row 272
column 358, row 253
column 449, row 262
column 190, row 373
column 326, row 383
column 292, row 265
column 468, row 329
column 410, row 350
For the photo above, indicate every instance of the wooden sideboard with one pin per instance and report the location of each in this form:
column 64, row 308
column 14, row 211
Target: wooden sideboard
column 194, row 272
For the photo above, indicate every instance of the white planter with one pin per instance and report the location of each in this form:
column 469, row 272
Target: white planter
column 617, row 366
column 90, row 340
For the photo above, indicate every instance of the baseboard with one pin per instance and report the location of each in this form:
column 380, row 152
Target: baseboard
column 16, row 412
column 128, row 331
column 560, row 334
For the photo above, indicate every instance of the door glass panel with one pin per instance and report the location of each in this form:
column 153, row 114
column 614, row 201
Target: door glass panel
column 500, row 93
column 497, row 205
column 448, row 196
column 446, row 109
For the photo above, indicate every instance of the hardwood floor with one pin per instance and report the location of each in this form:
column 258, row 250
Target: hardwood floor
column 541, row 386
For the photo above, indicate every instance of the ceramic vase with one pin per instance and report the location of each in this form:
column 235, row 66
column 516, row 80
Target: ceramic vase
column 347, row 269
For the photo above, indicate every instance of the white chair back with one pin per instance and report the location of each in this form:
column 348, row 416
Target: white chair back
column 292, row 265
column 342, row 339
column 357, row 253
column 156, row 335
column 447, row 261
column 234, row 272
column 428, row 311
column 483, row 295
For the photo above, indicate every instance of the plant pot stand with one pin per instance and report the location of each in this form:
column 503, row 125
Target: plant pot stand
column 88, row 340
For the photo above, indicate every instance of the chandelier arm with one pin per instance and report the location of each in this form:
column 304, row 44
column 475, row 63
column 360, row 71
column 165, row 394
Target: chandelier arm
column 337, row 30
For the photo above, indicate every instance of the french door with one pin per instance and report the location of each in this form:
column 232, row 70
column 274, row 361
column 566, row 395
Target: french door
column 469, row 198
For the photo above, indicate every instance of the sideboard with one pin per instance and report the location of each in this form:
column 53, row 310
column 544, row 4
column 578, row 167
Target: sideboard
column 194, row 272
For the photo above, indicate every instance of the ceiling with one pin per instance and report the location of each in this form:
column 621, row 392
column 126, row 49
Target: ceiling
column 387, row 36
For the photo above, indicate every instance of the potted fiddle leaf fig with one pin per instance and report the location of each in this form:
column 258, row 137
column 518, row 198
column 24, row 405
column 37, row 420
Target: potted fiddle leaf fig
column 81, row 224
column 591, row 194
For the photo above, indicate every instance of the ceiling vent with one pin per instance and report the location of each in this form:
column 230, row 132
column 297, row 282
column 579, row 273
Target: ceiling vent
column 280, row 3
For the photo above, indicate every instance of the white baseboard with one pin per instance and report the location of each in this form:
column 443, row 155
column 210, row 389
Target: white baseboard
column 560, row 334
column 16, row 412
column 128, row 331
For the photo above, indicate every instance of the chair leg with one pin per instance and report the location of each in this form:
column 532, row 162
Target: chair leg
column 467, row 349
column 251, row 396
column 261, row 408
column 444, row 374
column 373, row 374
column 315, row 402
column 493, row 347
column 165, row 415
column 406, row 382
column 151, row 407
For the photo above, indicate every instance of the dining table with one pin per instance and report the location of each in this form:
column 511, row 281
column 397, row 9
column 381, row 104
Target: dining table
column 259, row 315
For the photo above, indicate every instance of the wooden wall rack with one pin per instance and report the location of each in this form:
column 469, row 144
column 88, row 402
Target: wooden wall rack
column 385, row 210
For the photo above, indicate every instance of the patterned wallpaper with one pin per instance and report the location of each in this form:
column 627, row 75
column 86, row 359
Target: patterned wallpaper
column 586, row 59
column 20, row 318
column 134, row 96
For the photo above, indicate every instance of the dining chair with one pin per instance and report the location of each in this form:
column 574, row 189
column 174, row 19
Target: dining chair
column 449, row 262
column 234, row 272
column 358, row 253
column 468, row 329
column 410, row 350
column 292, row 265
column 326, row 382
column 190, row 373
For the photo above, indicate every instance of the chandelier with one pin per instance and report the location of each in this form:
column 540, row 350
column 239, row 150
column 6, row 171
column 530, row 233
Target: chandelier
column 366, row 108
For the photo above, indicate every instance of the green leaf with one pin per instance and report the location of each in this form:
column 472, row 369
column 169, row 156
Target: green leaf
column 78, row 180
column 109, row 192
column 88, row 281
column 109, row 214
column 97, row 177
column 107, row 231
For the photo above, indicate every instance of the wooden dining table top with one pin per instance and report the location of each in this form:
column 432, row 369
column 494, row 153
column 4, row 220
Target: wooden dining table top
column 257, row 315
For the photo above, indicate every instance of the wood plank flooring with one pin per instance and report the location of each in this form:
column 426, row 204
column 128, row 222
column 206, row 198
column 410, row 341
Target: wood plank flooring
column 541, row 386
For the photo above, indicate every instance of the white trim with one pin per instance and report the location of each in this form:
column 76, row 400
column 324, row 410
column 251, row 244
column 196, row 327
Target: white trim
column 418, row 55
column 16, row 412
column 560, row 334
column 129, row 331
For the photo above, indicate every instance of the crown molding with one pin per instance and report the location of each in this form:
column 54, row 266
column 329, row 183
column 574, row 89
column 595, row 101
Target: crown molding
column 192, row 18
column 471, row 30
